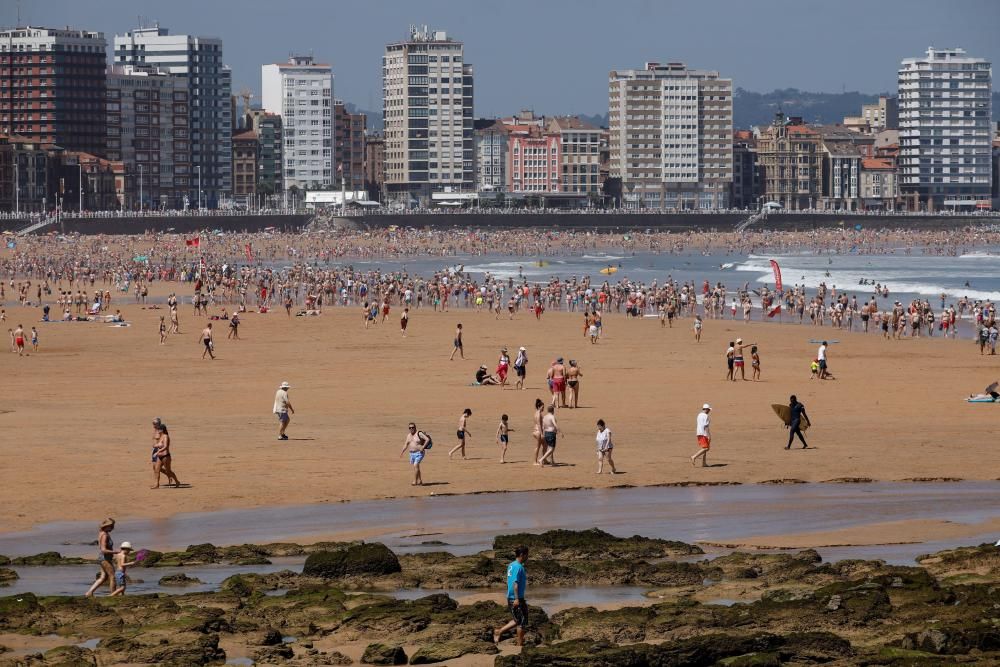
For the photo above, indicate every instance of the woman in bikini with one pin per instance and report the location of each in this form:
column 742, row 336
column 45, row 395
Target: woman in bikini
column 573, row 376
column 105, row 555
column 163, row 458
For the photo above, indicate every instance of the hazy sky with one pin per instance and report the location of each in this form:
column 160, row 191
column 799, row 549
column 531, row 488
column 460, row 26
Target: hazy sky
column 554, row 56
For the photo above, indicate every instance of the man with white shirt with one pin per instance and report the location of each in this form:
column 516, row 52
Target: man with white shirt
column 704, row 435
column 821, row 358
column 282, row 406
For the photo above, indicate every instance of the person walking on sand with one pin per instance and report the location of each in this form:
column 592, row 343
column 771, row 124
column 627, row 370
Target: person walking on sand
column 704, row 436
column 206, row 338
column 19, row 340
column 550, row 430
column 458, row 343
column 121, row 565
column 798, row 413
column 738, row 360
column 557, row 382
column 573, row 375
column 503, row 437
column 821, row 358
column 282, row 408
column 517, row 582
column 521, row 366
column 462, row 433
column 536, row 430
column 604, row 447
column 404, row 320
column 105, row 555
column 697, row 328
column 163, row 459
column 755, row 362
column 416, row 443
column 163, row 330
column 234, row 327
column 730, row 361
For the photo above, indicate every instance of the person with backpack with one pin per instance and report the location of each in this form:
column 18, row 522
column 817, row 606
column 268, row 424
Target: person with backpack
column 417, row 443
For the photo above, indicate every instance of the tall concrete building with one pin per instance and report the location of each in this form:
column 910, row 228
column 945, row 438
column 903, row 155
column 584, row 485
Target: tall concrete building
column 944, row 129
column 374, row 166
column 246, row 159
column 52, row 87
column 428, row 117
column 349, row 147
column 671, row 136
column 198, row 60
column 301, row 92
column 148, row 131
column 270, row 165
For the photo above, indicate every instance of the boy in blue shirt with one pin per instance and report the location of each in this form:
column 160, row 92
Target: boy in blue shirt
column 517, row 581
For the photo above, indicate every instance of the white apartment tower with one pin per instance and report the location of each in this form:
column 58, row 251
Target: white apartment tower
column 671, row 131
column 209, row 82
column 301, row 92
column 427, row 111
column 944, row 129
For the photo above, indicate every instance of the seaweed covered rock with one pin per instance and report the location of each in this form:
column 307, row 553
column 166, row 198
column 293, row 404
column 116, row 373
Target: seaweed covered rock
column 274, row 655
column 592, row 544
column 578, row 653
column 70, row 656
column 360, row 559
column 7, row 576
column 179, row 580
column 955, row 639
column 384, row 654
column 49, row 558
column 388, row 618
column 624, row 625
column 442, row 651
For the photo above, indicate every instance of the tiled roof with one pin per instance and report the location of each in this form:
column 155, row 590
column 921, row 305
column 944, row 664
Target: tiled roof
column 875, row 163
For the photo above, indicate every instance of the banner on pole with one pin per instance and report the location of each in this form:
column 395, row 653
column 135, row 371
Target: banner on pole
column 777, row 275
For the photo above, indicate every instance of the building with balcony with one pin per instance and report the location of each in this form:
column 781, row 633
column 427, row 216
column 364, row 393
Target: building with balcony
column 579, row 154
column 198, row 62
column 301, row 92
column 428, row 117
column 148, row 127
column 491, row 138
column 945, row 110
column 374, row 166
column 270, row 167
column 52, row 87
column 671, row 136
column 246, row 154
column 789, row 154
column 349, row 147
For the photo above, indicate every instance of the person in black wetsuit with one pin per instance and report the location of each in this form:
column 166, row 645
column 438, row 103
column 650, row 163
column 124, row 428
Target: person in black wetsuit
column 798, row 414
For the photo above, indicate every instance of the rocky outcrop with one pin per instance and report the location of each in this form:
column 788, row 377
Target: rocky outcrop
column 384, row 654
column 361, row 559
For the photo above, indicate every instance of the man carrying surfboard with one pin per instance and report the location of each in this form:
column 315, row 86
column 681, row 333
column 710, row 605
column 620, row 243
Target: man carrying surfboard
column 796, row 413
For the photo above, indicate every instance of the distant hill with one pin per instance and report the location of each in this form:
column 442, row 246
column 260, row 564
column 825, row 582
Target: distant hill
column 750, row 108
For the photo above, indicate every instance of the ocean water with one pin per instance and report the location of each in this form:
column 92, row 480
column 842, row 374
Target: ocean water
column 975, row 275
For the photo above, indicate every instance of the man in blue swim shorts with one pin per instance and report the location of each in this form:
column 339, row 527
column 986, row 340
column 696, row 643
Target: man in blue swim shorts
column 416, row 443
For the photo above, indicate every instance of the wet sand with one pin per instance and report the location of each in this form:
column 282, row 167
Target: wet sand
column 76, row 416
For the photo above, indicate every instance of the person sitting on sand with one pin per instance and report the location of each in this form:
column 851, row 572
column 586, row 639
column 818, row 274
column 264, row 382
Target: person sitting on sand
column 483, row 376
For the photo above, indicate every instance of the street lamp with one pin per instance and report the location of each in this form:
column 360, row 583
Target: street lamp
column 140, row 186
column 79, row 165
column 198, row 167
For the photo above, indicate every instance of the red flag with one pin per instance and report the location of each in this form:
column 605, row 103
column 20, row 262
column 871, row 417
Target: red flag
column 249, row 251
column 774, row 311
column 196, row 242
column 777, row 275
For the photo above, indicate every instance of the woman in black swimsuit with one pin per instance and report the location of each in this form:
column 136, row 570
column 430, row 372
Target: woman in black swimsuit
column 105, row 554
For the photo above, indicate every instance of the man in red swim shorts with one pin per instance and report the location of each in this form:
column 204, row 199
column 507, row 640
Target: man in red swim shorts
column 704, row 436
column 557, row 382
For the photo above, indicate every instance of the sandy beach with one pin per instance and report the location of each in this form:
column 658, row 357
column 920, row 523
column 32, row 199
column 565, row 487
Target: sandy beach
column 76, row 416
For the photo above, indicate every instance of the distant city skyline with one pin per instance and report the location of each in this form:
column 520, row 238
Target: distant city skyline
column 554, row 57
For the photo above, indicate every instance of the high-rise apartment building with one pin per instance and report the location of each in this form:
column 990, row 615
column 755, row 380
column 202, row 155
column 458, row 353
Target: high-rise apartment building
column 148, row 131
column 270, row 165
column 374, row 166
column 882, row 115
column 301, row 92
column 197, row 60
column 944, row 128
column 349, row 147
column 671, row 136
column 52, row 87
column 491, row 138
column 428, row 117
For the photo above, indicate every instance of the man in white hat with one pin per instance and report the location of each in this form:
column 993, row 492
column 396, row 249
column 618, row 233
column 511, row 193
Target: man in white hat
column 704, row 436
column 282, row 406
